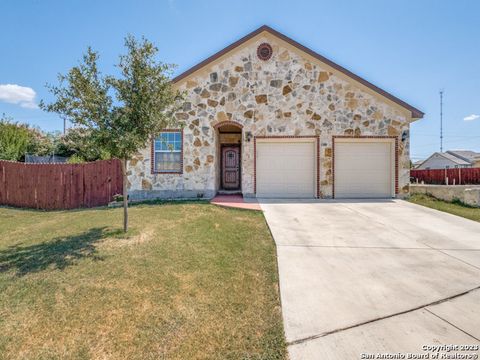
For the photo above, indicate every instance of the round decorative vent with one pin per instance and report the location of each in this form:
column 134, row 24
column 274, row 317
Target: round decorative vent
column 264, row 51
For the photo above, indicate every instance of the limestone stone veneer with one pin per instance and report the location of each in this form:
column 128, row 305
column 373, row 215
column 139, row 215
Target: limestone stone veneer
column 294, row 93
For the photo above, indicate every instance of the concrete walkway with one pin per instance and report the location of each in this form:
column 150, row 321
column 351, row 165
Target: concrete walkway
column 374, row 277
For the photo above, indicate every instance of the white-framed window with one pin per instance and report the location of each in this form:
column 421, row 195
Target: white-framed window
column 167, row 152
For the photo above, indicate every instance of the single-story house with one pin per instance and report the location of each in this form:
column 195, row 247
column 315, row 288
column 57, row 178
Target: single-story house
column 451, row 159
column 269, row 117
column 472, row 157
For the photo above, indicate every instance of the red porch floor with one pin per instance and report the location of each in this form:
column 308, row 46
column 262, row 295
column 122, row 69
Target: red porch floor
column 235, row 201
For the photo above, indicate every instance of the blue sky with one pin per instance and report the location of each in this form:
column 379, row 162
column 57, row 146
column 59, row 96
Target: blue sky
column 409, row 48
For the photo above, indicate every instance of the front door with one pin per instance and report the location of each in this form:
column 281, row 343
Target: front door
column 231, row 167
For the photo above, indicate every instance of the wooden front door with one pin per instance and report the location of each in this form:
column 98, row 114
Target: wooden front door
column 231, row 167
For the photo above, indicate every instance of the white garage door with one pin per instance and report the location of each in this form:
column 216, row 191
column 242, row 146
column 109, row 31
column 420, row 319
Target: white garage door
column 364, row 169
column 285, row 169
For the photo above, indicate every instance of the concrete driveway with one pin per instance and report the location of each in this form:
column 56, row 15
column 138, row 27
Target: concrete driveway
column 370, row 277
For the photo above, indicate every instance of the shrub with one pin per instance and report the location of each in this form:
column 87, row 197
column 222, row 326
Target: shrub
column 75, row 159
column 14, row 140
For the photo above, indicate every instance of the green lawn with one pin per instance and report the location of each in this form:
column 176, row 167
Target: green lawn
column 190, row 281
column 454, row 208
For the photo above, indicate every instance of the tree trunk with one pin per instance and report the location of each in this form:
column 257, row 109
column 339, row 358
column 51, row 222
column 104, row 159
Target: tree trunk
column 125, row 196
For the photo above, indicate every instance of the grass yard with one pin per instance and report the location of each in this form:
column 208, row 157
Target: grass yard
column 190, row 281
column 454, row 208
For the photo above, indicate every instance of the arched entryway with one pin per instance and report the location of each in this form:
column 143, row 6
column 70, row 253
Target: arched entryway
column 229, row 157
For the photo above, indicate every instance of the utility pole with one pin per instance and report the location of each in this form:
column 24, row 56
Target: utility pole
column 441, row 120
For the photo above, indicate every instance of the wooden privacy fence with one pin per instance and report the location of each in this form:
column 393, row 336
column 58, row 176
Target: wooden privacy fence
column 458, row 176
column 59, row 186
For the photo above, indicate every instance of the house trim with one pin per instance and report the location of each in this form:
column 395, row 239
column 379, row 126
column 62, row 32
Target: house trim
column 227, row 122
column 415, row 113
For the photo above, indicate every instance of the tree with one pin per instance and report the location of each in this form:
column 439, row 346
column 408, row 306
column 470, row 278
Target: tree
column 14, row 139
column 78, row 146
column 43, row 144
column 121, row 112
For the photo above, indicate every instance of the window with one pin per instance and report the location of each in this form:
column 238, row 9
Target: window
column 168, row 152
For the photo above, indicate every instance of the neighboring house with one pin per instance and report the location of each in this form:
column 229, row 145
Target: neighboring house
column 450, row 159
column 476, row 163
column 417, row 163
column 48, row 159
column 471, row 157
column 268, row 117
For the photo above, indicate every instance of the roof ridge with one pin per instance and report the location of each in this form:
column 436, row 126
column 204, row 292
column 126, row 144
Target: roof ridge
column 460, row 154
column 415, row 112
column 444, row 154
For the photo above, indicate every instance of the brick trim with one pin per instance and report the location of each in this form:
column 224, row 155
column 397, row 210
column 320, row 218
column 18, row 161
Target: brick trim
column 364, row 137
column 317, row 142
column 261, row 55
column 152, row 156
column 227, row 122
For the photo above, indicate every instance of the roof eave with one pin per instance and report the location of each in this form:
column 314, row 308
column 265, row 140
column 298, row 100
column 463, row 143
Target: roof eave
column 415, row 113
column 220, row 53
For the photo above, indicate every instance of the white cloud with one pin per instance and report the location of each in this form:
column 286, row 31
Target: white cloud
column 471, row 117
column 20, row 95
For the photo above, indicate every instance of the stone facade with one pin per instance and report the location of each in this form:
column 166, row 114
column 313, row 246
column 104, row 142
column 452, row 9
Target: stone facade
column 291, row 94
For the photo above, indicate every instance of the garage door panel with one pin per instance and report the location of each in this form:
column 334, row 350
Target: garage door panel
column 285, row 169
column 363, row 169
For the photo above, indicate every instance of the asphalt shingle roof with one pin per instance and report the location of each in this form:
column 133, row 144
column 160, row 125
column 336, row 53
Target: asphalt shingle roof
column 466, row 155
column 455, row 159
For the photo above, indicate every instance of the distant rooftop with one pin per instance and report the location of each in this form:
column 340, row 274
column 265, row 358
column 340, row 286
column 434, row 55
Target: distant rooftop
column 466, row 155
column 456, row 159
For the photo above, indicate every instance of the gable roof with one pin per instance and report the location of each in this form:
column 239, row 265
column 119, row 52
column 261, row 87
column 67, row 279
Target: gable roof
column 466, row 155
column 447, row 156
column 416, row 114
column 454, row 158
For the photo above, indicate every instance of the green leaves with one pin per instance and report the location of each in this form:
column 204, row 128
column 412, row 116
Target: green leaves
column 14, row 141
column 121, row 113
column 18, row 139
column 82, row 94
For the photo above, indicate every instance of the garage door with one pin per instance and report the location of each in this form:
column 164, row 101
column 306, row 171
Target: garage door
column 285, row 169
column 364, row 169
